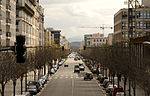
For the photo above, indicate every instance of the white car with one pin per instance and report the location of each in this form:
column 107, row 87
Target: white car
column 120, row 94
column 52, row 71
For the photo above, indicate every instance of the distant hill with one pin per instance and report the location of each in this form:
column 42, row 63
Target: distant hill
column 75, row 44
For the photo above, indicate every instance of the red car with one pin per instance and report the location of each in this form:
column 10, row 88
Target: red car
column 115, row 90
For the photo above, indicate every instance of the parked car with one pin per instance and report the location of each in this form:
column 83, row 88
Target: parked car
column 102, row 79
column 76, row 69
column 24, row 94
column 52, row 71
column 88, row 76
column 32, row 89
column 115, row 90
column 36, row 83
column 110, row 88
column 120, row 94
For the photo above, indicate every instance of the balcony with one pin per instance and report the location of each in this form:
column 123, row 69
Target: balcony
column 8, row 34
column 8, row 7
column 8, row 20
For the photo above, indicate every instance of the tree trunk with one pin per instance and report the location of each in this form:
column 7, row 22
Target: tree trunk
column 14, row 89
column 113, row 80
column 129, row 87
column 21, row 85
column 125, row 82
column 3, row 88
column 26, row 80
column 134, row 89
column 44, row 69
column 34, row 75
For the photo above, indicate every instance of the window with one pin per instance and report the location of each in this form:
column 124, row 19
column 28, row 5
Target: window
column 124, row 25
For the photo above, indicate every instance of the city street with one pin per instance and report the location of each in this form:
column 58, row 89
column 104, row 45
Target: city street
column 67, row 83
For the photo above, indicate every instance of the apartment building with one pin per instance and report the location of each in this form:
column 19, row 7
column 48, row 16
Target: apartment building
column 28, row 16
column 86, row 37
column 7, row 22
column 64, row 42
column 47, row 37
column 96, row 41
column 40, row 10
column 141, row 26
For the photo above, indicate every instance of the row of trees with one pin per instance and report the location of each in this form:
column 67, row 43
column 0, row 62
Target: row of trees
column 36, row 59
column 130, row 62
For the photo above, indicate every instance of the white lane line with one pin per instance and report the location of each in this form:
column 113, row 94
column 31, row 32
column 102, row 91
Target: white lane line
column 72, row 86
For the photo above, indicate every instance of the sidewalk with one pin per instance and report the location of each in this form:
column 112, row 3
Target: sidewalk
column 9, row 85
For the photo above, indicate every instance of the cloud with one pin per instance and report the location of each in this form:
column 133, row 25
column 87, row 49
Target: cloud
column 68, row 15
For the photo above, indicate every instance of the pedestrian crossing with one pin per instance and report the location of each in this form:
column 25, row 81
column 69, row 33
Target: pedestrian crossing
column 66, row 77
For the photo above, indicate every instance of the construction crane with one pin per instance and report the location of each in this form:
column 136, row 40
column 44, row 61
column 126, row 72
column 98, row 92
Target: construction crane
column 100, row 27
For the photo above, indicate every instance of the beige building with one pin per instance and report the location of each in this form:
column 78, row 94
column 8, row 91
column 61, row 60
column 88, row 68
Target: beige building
column 7, row 22
column 142, row 27
column 110, row 39
column 96, row 41
column 47, row 37
column 30, row 21
column 64, row 42
column 41, row 25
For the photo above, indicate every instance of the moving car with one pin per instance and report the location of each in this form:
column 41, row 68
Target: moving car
column 66, row 65
column 88, row 76
column 81, row 67
column 76, row 69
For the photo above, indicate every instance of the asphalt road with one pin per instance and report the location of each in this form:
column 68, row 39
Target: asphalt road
column 67, row 83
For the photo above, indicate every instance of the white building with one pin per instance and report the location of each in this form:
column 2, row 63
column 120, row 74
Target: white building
column 7, row 22
column 96, row 41
column 110, row 39
column 64, row 42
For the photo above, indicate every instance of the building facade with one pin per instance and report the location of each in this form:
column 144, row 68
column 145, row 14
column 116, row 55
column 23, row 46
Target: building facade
column 96, row 41
column 110, row 39
column 64, row 42
column 40, row 24
column 47, row 37
column 141, row 26
column 29, row 16
column 7, row 22
column 55, row 35
column 87, row 36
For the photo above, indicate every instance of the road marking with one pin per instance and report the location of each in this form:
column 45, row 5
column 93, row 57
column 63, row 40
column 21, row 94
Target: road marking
column 72, row 86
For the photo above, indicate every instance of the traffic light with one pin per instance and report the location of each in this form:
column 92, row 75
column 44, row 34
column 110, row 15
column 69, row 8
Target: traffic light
column 20, row 49
column 84, row 47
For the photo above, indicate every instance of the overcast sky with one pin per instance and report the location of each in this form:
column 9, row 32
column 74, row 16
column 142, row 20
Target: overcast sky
column 69, row 15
